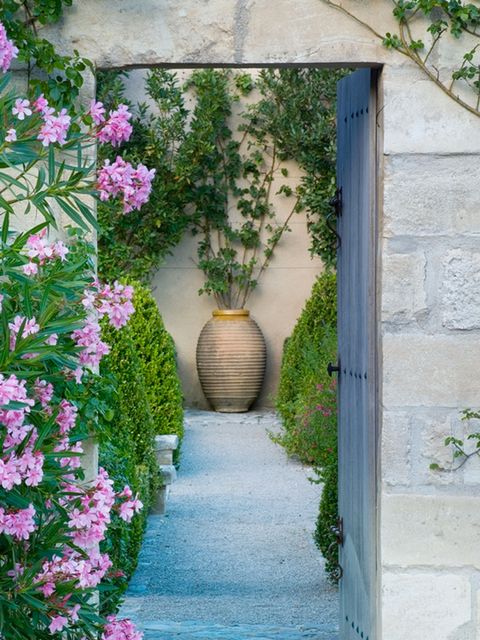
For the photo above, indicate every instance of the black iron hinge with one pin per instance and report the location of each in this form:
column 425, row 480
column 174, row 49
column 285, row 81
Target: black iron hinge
column 336, row 202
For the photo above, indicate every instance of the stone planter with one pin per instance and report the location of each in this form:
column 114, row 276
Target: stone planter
column 231, row 358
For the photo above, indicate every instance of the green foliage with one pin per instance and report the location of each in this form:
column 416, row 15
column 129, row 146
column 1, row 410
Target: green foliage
column 307, row 403
column 441, row 22
column 156, row 352
column 307, row 352
column 135, row 244
column 127, row 451
column 463, row 449
column 298, row 110
column 327, row 516
column 57, row 76
column 64, row 180
column 204, row 167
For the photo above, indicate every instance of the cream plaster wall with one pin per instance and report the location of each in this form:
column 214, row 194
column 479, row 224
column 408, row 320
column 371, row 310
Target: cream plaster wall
column 275, row 304
column 429, row 270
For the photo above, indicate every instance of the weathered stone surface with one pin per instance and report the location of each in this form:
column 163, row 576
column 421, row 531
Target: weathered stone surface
column 403, row 293
column 424, row 119
column 213, row 31
column 417, row 606
column 159, row 506
column 431, row 429
column 430, row 370
column 165, row 457
column 431, row 195
column 443, row 530
column 461, row 286
column 169, row 473
column 396, row 444
column 166, row 441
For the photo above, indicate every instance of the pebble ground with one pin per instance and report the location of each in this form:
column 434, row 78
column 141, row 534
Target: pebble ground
column 234, row 558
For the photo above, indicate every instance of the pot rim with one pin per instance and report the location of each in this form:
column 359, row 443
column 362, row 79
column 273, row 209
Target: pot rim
column 230, row 313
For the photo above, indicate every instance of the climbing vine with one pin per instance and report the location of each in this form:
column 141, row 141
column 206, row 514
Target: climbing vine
column 423, row 25
column 58, row 77
column 461, row 451
column 200, row 163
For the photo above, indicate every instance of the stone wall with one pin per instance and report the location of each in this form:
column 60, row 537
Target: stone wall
column 275, row 304
column 429, row 265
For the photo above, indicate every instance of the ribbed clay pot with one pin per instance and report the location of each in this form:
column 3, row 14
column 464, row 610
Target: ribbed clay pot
column 231, row 358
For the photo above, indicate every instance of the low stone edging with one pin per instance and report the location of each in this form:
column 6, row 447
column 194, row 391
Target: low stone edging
column 165, row 445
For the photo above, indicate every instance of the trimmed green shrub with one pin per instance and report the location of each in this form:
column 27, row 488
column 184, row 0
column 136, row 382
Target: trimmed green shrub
column 127, row 451
column 306, row 354
column 156, row 352
column 146, row 401
column 307, row 403
column 327, row 517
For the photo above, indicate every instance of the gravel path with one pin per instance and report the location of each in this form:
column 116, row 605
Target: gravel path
column 234, row 557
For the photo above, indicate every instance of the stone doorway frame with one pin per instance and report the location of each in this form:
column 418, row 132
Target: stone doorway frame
column 377, row 68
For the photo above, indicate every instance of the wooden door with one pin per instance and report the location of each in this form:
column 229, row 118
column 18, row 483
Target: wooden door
column 356, row 177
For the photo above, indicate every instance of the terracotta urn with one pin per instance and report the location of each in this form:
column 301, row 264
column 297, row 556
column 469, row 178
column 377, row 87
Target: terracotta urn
column 231, row 359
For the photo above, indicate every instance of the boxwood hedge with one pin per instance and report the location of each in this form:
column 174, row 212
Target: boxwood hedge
column 306, row 402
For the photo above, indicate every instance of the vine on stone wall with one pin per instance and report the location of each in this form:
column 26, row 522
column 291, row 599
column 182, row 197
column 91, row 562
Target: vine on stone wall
column 58, row 77
column 461, row 451
column 437, row 22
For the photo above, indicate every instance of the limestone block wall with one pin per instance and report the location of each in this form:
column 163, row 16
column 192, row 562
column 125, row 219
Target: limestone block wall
column 430, row 336
column 275, row 304
column 428, row 270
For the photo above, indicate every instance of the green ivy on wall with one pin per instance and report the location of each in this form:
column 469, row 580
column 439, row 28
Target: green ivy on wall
column 58, row 77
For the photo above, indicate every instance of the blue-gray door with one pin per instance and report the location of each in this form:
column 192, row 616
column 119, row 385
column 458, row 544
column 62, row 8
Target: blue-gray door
column 356, row 178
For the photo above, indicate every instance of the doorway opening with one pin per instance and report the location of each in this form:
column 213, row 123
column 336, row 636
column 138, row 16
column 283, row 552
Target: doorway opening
column 246, row 192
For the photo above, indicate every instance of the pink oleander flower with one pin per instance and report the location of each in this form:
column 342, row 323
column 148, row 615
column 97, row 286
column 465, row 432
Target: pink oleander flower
column 60, row 250
column 9, row 473
column 120, row 178
column 40, row 104
column 30, row 328
column 54, row 128
column 13, row 390
column 8, row 50
column 43, row 391
column 120, row 630
column 129, row 508
column 57, row 624
column 97, row 111
column 18, row 524
column 38, row 248
column 116, row 303
column 11, row 135
column 21, row 108
column 52, row 339
column 117, row 128
column 93, row 347
column 66, row 417
column 30, row 269
column 86, row 572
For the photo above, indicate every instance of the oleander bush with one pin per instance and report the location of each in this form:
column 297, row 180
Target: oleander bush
column 53, row 516
column 307, row 403
column 156, row 352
